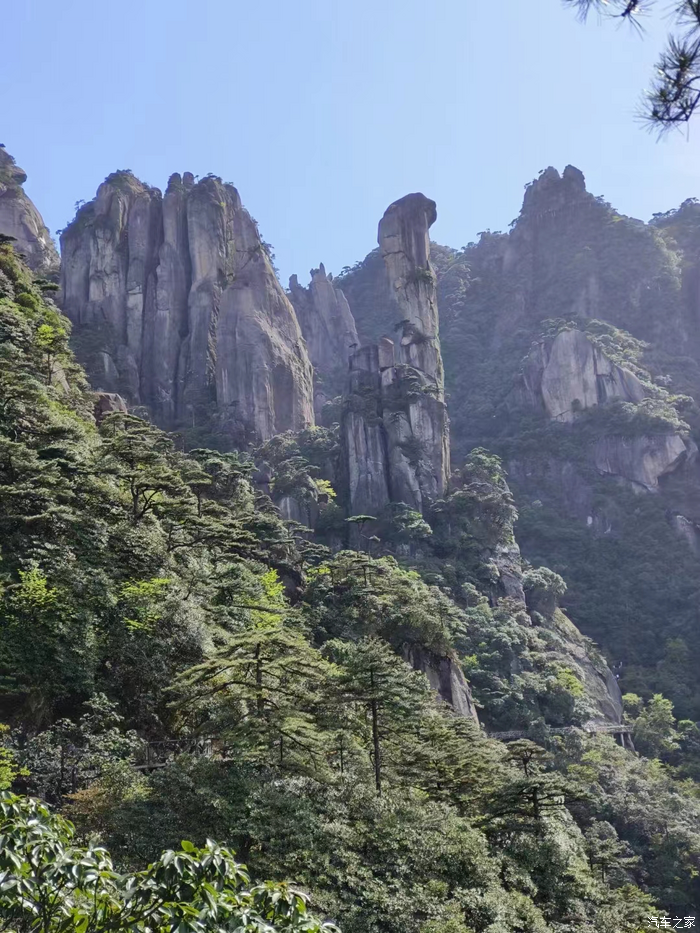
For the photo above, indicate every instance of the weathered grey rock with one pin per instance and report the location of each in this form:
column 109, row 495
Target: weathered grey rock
column 177, row 306
column 445, row 676
column 687, row 530
column 552, row 192
column 20, row 219
column 640, row 460
column 417, row 431
column 507, row 559
column 567, row 645
column 417, row 425
column 396, row 420
column 303, row 511
column 366, row 458
column 329, row 330
column 170, row 322
column 107, row 279
column 572, row 374
column 106, row 403
column 404, row 241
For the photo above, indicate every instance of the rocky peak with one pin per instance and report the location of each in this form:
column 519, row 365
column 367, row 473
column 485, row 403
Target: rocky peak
column 404, row 241
column 20, row 219
column 329, row 330
column 395, row 426
column 177, row 307
column 551, row 192
column 10, row 172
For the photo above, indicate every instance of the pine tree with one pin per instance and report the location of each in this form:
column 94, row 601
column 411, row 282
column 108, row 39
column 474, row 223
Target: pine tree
column 142, row 459
column 262, row 693
column 392, row 697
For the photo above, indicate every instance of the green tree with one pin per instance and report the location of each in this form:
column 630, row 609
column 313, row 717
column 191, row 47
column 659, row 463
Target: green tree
column 675, row 90
column 70, row 755
column 142, row 459
column 268, row 684
column 390, row 694
column 9, row 769
column 654, row 731
column 50, row 885
column 607, row 854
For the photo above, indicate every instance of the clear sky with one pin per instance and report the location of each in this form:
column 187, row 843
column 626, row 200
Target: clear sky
column 322, row 112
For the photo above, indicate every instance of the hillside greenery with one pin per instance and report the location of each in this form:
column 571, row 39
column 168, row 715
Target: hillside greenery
column 572, row 261
column 151, row 595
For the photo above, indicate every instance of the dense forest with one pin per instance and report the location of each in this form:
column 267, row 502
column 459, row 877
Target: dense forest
column 192, row 680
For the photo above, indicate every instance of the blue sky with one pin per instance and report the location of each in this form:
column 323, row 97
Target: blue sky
column 322, row 112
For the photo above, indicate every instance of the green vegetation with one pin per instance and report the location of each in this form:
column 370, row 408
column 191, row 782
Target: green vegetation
column 674, row 94
column 151, row 595
column 48, row 883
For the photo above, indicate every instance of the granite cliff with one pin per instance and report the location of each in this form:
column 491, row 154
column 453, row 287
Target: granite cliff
column 571, row 349
column 20, row 219
column 395, row 427
column 177, row 307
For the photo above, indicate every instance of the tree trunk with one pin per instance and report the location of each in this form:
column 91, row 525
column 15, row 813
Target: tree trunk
column 260, row 700
column 375, row 737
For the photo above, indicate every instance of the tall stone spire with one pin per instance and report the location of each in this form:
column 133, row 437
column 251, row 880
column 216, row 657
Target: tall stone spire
column 397, row 406
column 180, row 310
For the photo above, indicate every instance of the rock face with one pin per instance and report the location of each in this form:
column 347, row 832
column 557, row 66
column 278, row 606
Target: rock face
column 445, row 677
column 572, row 374
column 364, row 436
column 404, row 242
column 641, row 460
column 329, row 330
column 106, row 403
column 21, row 220
column 395, row 427
column 565, row 642
column 177, row 307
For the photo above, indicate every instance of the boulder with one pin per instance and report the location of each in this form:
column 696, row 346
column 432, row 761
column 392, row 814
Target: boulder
column 106, row 403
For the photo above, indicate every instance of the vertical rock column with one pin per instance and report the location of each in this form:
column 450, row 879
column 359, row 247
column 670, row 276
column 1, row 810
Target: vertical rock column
column 107, row 280
column 364, row 437
column 177, row 307
column 415, row 415
column 164, row 332
column 408, row 380
column 262, row 369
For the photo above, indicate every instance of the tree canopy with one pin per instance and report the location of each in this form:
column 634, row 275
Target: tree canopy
column 674, row 92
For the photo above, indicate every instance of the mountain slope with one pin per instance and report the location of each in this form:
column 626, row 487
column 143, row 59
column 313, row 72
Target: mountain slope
column 570, row 348
column 177, row 660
